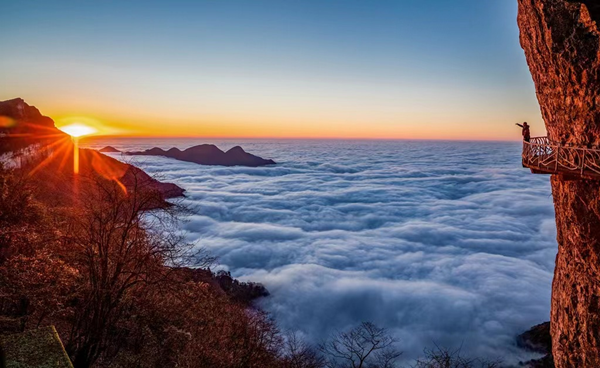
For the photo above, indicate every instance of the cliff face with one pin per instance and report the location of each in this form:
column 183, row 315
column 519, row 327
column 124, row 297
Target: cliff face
column 561, row 40
column 22, row 125
column 19, row 110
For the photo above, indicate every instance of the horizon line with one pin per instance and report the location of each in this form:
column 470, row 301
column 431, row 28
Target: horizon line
column 116, row 136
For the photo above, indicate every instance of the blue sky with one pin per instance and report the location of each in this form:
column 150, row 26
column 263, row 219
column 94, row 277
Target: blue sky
column 396, row 69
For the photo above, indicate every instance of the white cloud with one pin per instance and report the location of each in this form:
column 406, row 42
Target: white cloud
column 445, row 242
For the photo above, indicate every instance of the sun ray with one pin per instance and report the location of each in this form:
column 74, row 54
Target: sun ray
column 63, row 161
column 76, row 130
column 64, row 146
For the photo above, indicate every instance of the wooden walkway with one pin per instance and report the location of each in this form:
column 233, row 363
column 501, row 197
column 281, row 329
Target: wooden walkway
column 545, row 157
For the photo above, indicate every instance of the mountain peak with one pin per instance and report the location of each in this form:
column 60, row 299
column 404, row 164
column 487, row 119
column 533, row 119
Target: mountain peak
column 22, row 125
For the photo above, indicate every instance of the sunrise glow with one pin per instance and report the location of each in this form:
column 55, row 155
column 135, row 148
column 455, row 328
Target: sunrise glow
column 371, row 72
column 78, row 130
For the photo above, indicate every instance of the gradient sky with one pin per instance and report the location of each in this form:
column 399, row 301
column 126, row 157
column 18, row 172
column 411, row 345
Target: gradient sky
column 312, row 68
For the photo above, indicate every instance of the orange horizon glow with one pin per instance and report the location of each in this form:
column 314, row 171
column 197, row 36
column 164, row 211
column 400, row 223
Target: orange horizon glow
column 248, row 130
column 516, row 138
column 146, row 123
column 338, row 81
column 300, row 134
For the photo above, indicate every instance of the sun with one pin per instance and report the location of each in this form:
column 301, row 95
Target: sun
column 78, row 130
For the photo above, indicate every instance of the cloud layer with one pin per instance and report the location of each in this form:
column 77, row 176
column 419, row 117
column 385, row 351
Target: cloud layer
column 441, row 242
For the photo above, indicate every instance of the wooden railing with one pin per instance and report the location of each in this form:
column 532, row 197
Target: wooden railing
column 543, row 156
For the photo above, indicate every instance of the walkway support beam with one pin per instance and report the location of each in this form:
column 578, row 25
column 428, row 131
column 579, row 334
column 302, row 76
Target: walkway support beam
column 545, row 157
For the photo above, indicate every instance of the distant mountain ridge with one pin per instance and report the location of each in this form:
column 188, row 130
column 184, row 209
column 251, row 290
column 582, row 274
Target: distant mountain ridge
column 109, row 149
column 208, row 154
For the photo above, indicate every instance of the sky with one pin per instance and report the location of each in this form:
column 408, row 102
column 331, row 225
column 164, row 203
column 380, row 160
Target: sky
column 404, row 69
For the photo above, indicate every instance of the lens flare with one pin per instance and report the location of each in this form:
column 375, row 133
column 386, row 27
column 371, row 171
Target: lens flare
column 7, row 122
column 78, row 130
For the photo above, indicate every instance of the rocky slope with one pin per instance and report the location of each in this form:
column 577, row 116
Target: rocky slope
column 561, row 40
column 209, row 154
column 537, row 340
column 92, row 162
column 22, row 125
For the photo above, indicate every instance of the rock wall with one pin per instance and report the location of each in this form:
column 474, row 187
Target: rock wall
column 561, row 40
column 22, row 125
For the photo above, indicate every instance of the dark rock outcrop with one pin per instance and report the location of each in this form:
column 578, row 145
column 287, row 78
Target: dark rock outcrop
column 239, row 292
column 561, row 39
column 537, row 339
column 19, row 110
column 109, row 149
column 208, row 154
column 22, row 125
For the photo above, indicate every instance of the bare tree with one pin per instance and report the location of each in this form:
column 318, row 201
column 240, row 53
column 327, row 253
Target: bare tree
column 365, row 346
column 299, row 354
column 446, row 358
column 121, row 240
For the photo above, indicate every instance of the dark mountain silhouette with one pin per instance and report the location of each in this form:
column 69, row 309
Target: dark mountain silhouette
column 208, row 154
column 22, row 125
column 109, row 149
column 538, row 340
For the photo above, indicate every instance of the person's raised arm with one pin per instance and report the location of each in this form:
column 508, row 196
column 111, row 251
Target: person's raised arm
column 519, row 125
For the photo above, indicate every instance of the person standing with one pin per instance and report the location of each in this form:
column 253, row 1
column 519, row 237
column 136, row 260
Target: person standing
column 526, row 133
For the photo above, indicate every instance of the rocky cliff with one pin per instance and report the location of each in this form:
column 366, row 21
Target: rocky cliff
column 537, row 340
column 22, row 125
column 561, row 40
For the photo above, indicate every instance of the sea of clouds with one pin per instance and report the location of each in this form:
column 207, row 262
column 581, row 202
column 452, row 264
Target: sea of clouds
column 447, row 243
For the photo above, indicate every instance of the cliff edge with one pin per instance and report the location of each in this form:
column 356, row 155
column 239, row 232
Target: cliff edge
column 561, row 40
column 22, row 125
